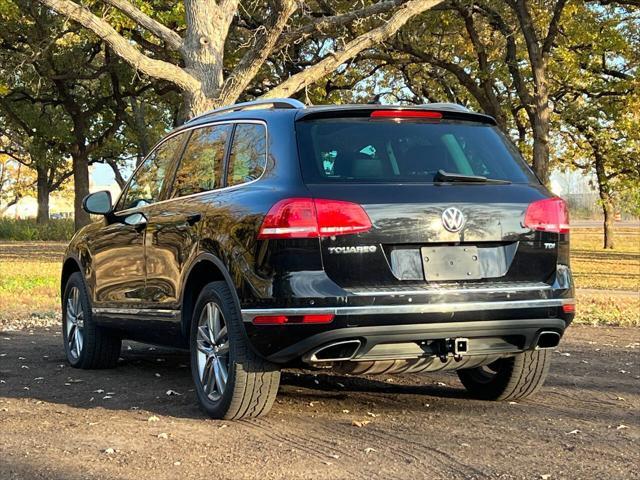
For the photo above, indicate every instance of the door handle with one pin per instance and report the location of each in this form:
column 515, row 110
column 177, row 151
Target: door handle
column 193, row 219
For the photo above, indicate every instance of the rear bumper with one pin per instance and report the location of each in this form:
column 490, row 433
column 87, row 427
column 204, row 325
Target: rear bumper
column 249, row 314
column 485, row 338
column 400, row 331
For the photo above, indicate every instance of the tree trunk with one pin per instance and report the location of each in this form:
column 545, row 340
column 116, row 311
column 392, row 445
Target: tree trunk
column 81, row 188
column 42, row 186
column 541, row 146
column 541, row 122
column 609, row 214
column 604, row 190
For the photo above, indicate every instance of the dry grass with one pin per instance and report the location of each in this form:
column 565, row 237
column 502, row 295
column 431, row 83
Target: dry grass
column 30, row 272
column 617, row 269
column 29, row 282
column 607, row 309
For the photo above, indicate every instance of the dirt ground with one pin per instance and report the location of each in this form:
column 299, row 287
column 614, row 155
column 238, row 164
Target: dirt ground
column 141, row 420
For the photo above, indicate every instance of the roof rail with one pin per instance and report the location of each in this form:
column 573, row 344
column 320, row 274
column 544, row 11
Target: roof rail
column 277, row 103
column 450, row 106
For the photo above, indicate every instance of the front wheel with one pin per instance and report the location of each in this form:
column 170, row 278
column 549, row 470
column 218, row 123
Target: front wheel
column 510, row 378
column 86, row 344
column 231, row 381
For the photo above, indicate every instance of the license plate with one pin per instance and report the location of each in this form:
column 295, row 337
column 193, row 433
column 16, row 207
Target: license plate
column 450, row 263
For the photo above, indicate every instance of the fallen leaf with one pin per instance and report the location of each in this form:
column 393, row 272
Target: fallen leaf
column 369, row 450
column 163, row 435
column 372, row 414
column 360, row 423
column 109, row 451
column 545, row 476
column 573, row 432
column 621, row 427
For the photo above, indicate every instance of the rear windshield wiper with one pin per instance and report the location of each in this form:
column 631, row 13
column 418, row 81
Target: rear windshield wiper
column 443, row 176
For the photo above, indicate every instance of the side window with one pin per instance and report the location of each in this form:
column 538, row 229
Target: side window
column 248, row 153
column 146, row 185
column 202, row 164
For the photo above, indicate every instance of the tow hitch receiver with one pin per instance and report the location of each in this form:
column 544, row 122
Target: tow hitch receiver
column 460, row 346
column 453, row 347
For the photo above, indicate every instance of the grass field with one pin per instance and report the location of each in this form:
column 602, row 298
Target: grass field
column 617, row 269
column 30, row 272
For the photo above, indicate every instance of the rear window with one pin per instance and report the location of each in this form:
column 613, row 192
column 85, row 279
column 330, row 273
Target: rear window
column 363, row 150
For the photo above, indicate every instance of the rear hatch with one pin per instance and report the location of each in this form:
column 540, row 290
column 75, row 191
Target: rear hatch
column 446, row 196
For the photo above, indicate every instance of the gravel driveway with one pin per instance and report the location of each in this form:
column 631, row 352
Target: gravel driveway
column 141, row 420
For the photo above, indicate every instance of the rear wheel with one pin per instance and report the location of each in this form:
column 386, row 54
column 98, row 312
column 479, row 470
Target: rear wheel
column 510, row 378
column 231, row 380
column 86, row 344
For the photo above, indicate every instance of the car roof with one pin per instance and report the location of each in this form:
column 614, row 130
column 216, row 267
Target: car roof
column 298, row 111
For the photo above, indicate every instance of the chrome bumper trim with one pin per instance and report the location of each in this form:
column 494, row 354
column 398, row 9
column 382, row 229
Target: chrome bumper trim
column 147, row 312
column 542, row 287
column 249, row 314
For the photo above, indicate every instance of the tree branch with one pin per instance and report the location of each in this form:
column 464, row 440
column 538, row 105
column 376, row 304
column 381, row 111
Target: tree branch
column 122, row 46
column 351, row 49
column 171, row 38
column 253, row 59
column 553, row 26
column 328, row 22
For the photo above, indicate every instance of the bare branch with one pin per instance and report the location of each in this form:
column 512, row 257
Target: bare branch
column 171, row 38
column 351, row 49
column 122, row 46
column 264, row 44
column 325, row 23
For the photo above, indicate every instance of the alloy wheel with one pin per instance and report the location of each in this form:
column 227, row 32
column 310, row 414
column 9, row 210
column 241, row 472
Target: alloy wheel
column 213, row 351
column 75, row 323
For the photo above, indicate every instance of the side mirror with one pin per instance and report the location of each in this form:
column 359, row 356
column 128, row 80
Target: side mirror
column 98, row 203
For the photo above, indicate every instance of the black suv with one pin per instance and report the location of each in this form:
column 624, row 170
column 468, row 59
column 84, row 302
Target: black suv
column 370, row 239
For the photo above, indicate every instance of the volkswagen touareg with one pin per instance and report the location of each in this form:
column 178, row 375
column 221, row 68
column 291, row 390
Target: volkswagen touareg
column 364, row 238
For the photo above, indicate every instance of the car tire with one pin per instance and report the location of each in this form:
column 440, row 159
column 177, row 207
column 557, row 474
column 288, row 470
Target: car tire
column 231, row 380
column 87, row 345
column 510, row 378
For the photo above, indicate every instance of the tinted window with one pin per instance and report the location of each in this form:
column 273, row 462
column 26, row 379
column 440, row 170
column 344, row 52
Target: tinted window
column 248, row 153
column 202, row 164
column 146, row 185
column 357, row 150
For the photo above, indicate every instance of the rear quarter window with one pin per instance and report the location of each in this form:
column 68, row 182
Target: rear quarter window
column 363, row 150
column 248, row 155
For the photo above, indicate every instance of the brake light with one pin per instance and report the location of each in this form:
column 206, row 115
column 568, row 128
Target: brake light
column 294, row 319
column 405, row 114
column 569, row 308
column 548, row 215
column 313, row 218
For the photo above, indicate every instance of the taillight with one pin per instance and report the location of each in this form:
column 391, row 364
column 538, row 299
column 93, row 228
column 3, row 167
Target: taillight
column 548, row 215
column 569, row 308
column 313, row 218
column 405, row 114
column 293, row 319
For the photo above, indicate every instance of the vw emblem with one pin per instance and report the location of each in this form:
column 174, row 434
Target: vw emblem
column 453, row 219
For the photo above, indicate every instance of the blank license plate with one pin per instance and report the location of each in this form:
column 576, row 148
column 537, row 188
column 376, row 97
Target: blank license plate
column 450, row 263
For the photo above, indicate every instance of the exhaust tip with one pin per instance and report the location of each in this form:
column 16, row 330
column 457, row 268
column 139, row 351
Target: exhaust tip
column 334, row 352
column 548, row 340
